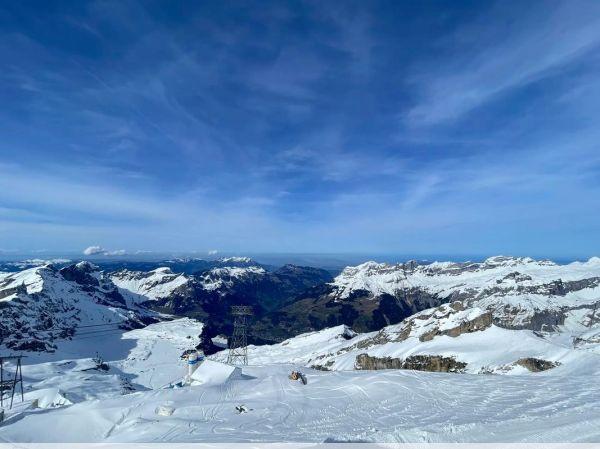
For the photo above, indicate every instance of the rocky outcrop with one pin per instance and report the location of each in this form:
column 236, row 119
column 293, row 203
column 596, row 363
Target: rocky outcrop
column 19, row 289
column 536, row 365
column 367, row 362
column 539, row 320
column 434, row 363
column 476, row 324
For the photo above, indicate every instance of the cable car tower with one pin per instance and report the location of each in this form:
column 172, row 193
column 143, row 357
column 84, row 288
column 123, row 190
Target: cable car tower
column 238, row 344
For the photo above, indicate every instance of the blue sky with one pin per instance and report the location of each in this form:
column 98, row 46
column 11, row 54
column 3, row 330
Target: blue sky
column 389, row 127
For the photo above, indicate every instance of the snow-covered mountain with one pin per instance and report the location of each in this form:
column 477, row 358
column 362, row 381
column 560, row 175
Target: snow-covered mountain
column 522, row 293
column 501, row 315
column 19, row 265
column 224, row 279
column 235, row 276
column 209, row 294
column 149, row 285
column 44, row 304
column 407, row 302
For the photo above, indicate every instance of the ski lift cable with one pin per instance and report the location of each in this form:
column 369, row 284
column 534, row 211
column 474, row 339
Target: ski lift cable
column 97, row 331
column 85, row 326
column 98, row 334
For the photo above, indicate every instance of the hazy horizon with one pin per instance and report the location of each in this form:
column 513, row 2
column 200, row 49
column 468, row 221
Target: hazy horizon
column 314, row 259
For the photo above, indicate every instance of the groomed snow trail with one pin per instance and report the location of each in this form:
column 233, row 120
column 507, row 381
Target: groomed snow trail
column 382, row 406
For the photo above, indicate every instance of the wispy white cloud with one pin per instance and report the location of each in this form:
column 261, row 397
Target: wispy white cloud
column 498, row 54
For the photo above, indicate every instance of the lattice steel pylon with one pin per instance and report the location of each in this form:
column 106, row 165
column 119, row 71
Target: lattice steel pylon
column 238, row 345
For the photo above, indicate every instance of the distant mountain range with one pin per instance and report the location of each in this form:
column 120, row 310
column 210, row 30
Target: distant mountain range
column 408, row 305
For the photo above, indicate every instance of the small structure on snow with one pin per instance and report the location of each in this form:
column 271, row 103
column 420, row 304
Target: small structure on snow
column 214, row 373
column 194, row 359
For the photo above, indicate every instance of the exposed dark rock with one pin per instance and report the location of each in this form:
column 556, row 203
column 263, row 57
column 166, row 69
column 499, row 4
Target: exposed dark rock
column 20, row 289
column 32, row 345
column 540, row 320
column 536, row 365
column 80, row 273
column 479, row 323
column 434, row 363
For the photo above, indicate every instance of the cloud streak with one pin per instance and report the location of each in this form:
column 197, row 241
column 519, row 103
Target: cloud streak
column 533, row 46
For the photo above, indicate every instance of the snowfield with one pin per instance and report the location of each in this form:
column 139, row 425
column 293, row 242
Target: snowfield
column 358, row 406
column 78, row 402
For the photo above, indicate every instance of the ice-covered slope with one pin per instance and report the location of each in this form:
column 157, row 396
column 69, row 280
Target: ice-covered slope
column 43, row 305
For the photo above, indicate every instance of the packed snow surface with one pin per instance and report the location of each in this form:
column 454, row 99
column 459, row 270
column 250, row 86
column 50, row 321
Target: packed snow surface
column 214, row 373
column 382, row 406
column 138, row 398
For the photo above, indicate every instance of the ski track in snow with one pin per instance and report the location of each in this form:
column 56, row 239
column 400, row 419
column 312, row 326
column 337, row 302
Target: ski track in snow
column 383, row 406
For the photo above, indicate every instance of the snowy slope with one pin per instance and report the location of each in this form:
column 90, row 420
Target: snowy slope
column 522, row 292
column 354, row 406
column 151, row 285
column 464, row 337
column 43, row 305
column 155, row 360
column 80, row 403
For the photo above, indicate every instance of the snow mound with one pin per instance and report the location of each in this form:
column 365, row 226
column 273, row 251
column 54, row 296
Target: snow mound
column 47, row 398
column 211, row 372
